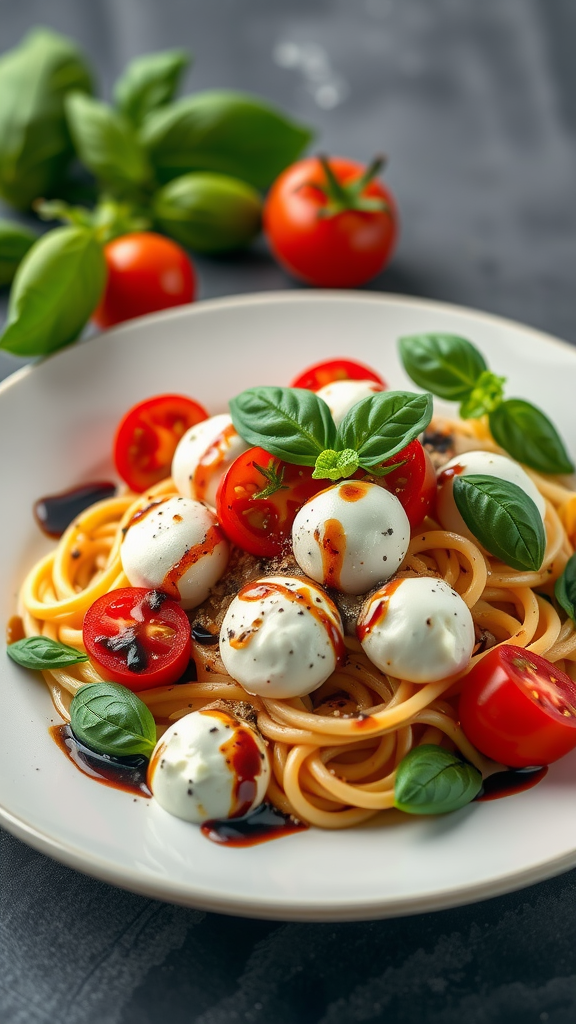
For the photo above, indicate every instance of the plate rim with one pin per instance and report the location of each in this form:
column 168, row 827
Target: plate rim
column 287, row 908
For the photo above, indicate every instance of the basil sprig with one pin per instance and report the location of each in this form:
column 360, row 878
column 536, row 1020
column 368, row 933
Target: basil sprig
column 40, row 652
column 503, row 518
column 432, row 780
column 565, row 589
column 528, row 435
column 296, row 425
column 111, row 719
column 452, row 368
column 56, row 288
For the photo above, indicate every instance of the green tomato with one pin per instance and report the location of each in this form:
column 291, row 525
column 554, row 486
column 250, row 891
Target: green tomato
column 208, row 212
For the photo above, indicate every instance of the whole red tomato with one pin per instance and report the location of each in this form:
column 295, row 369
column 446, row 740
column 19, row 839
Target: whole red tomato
column 331, row 222
column 146, row 272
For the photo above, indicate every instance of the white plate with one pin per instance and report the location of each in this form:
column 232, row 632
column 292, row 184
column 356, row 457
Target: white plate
column 56, row 427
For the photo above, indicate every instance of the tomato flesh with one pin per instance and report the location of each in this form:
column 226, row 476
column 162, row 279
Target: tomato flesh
column 413, row 482
column 518, row 708
column 138, row 637
column 342, row 250
column 146, row 272
column 326, row 372
column 147, row 436
column 262, row 526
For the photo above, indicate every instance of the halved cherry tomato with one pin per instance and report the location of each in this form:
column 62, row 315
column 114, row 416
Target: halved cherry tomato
column 138, row 637
column 326, row 372
column 413, row 483
column 262, row 525
column 147, row 436
column 518, row 708
column 146, row 272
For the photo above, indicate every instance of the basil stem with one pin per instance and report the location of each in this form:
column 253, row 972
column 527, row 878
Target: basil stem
column 432, row 780
column 503, row 518
column 111, row 719
column 148, row 83
column 291, row 423
column 383, row 424
column 527, row 434
column 565, row 589
column 35, row 144
column 40, row 652
column 445, row 364
column 222, row 131
column 56, row 288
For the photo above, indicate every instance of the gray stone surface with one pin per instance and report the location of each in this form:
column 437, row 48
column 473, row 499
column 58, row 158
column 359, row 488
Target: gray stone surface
column 475, row 104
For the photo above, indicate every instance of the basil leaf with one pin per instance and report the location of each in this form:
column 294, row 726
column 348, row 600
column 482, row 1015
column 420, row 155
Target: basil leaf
column 503, row 518
column 208, row 212
column 107, row 144
column 331, row 465
column 35, row 145
column 383, row 424
column 14, row 244
column 149, row 82
column 432, row 780
column 40, row 652
column 291, row 423
column 527, row 434
column 444, row 364
column 228, row 132
column 56, row 288
column 565, row 589
column 111, row 719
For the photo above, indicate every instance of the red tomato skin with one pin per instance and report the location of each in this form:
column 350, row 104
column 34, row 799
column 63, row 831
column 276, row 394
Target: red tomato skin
column 504, row 722
column 280, row 510
column 341, row 251
column 329, row 370
column 146, row 273
column 413, row 483
column 98, row 622
column 147, row 436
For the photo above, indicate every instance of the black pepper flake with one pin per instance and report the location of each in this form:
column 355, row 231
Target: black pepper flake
column 300, row 613
column 214, row 728
column 76, row 553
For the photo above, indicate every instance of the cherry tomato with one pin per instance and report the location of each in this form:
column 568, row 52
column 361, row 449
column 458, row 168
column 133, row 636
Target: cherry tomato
column 331, row 222
column 146, row 272
column 326, row 372
column 138, row 637
column 147, row 436
column 262, row 525
column 518, row 708
column 413, row 483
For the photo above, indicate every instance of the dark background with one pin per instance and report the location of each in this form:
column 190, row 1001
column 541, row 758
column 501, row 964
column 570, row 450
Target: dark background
column 475, row 105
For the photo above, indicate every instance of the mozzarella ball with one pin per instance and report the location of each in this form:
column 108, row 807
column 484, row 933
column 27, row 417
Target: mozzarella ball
column 417, row 629
column 341, row 395
column 208, row 765
column 484, row 464
column 203, row 455
column 281, row 637
column 175, row 545
column 351, row 536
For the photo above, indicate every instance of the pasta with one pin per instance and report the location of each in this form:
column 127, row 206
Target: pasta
column 333, row 753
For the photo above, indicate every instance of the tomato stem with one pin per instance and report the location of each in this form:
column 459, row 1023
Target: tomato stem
column 344, row 196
